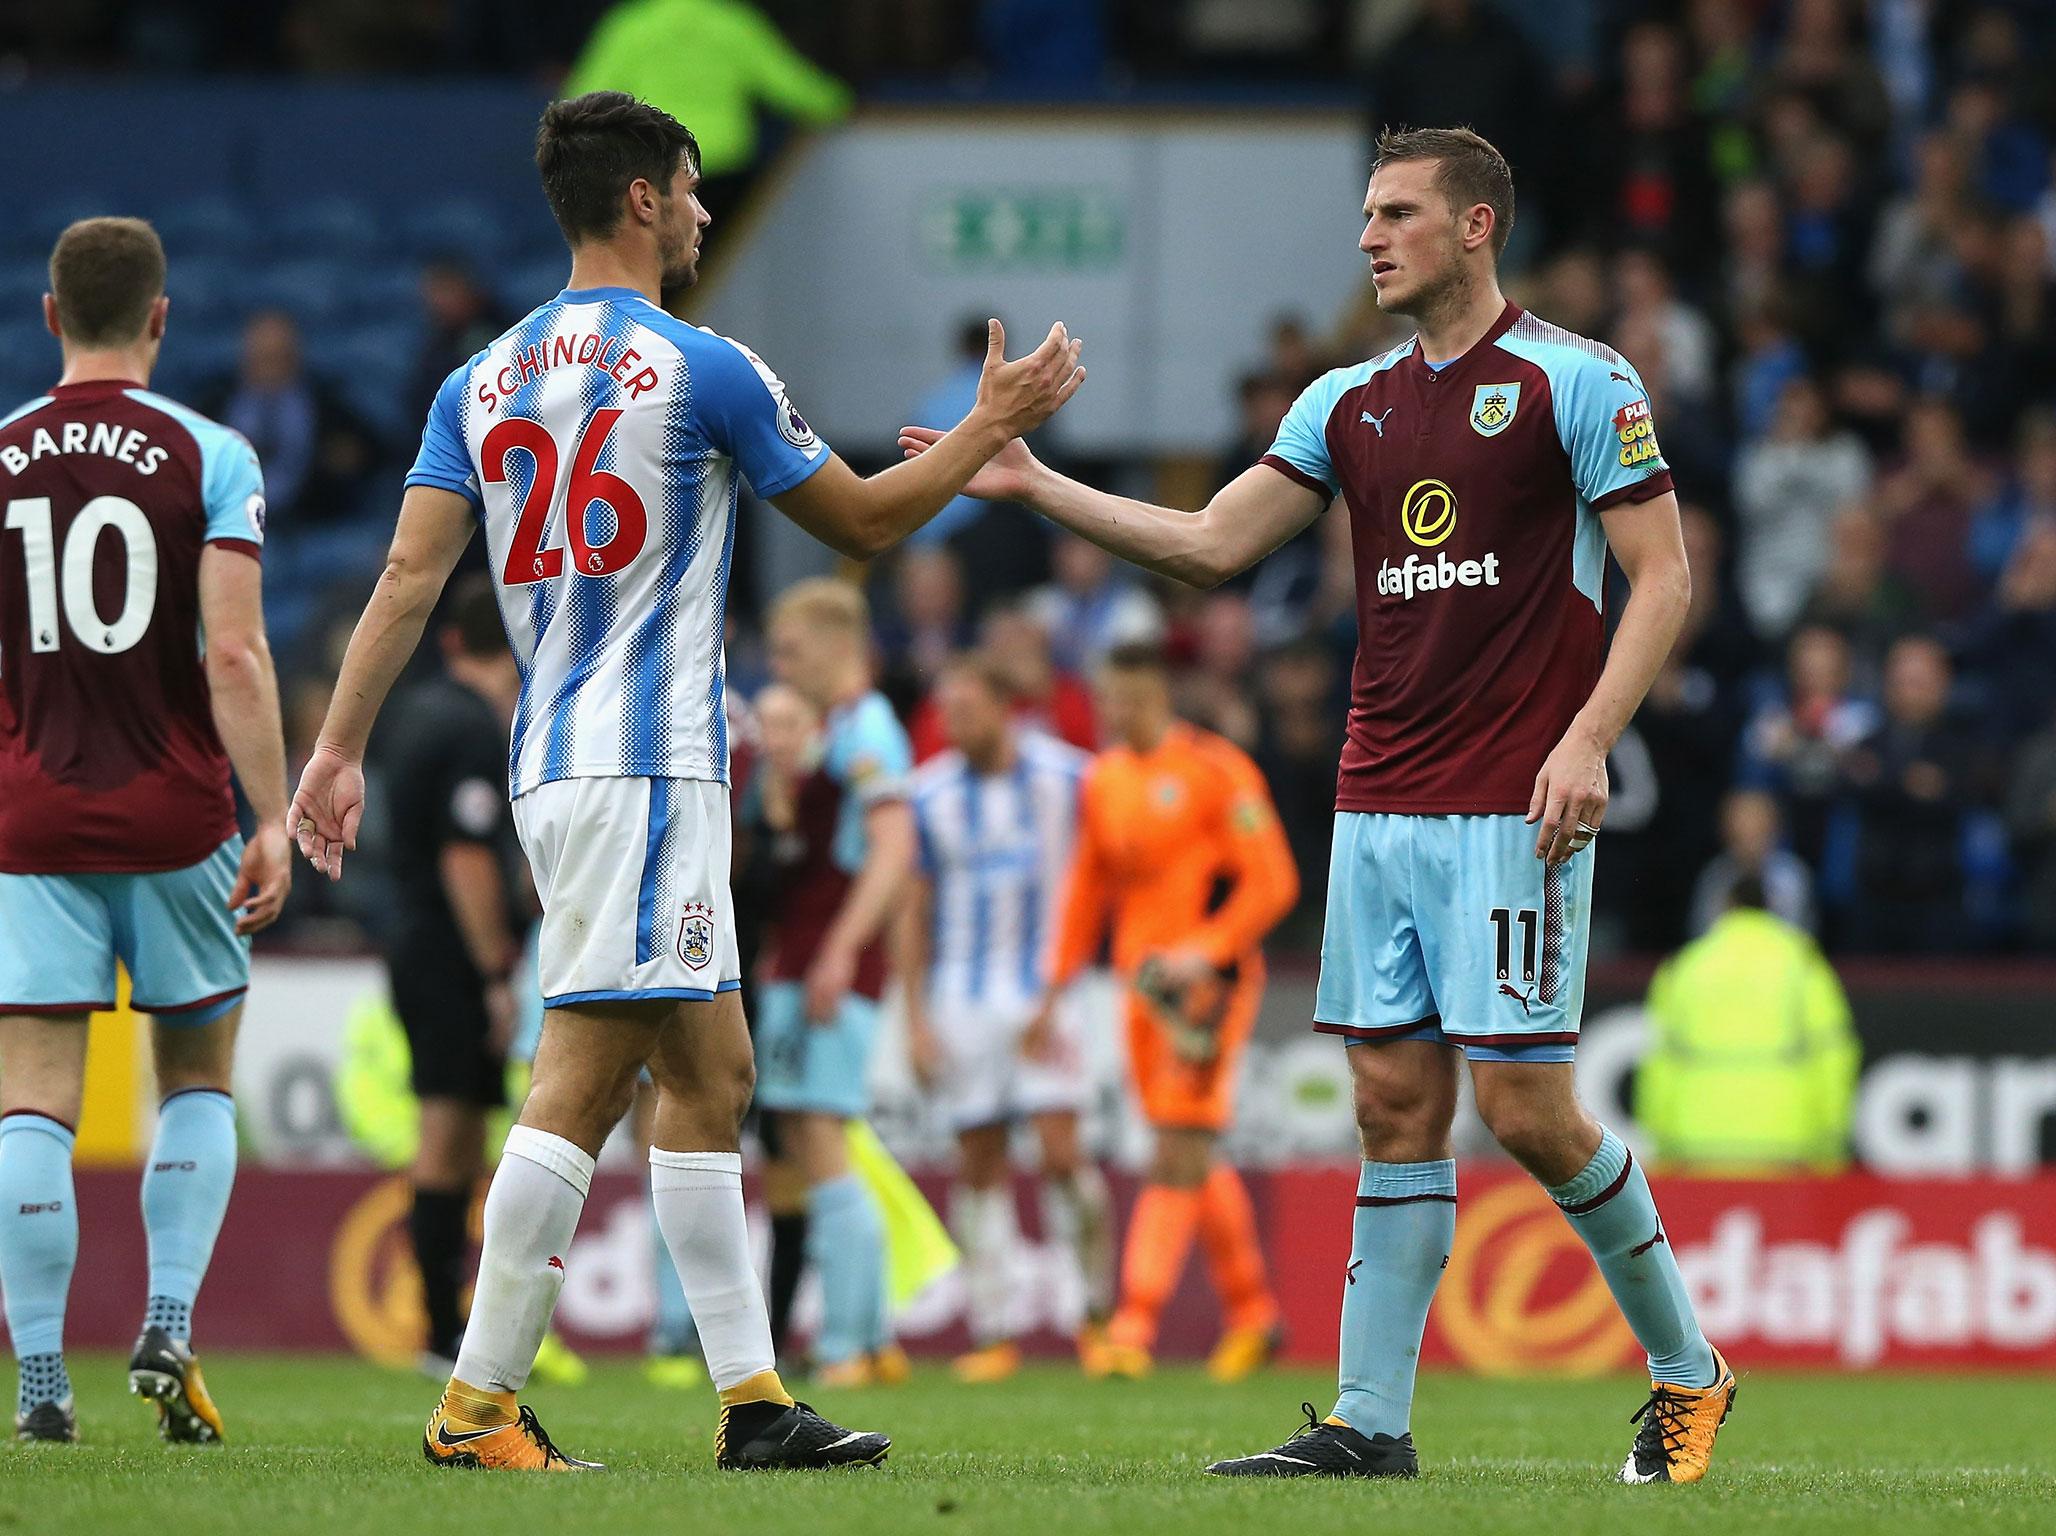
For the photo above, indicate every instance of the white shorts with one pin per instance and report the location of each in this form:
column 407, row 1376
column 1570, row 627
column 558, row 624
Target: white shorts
column 633, row 875
column 985, row 1078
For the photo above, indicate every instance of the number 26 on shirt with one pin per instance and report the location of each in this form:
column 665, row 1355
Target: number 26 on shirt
column 527, row 560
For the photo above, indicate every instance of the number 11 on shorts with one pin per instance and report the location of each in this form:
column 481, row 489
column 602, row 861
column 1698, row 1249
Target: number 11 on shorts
column 1503, row 921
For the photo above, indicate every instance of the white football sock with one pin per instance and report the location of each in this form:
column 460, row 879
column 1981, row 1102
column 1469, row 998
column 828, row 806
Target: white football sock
column 698, row 1196
column 989, row 1233
column 530, row 1213
column 1078, row 1213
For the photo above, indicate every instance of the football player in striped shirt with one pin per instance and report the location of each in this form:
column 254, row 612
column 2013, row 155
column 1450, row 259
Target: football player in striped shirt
column 996, row 818
column 600, row 445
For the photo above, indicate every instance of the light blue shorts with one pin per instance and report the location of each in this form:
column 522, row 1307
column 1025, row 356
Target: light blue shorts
column 1448, row 928
column 823, row 1068
column 60, row 936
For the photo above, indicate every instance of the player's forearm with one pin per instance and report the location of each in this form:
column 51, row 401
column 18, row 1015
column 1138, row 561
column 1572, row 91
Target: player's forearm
column 1264, row 892
column 477, row 894
column 1649, row 627
column 895, row 502
column 243, row 690
column 910, row 954
column 385, row 638
column 872, row 894
column 1181, row 545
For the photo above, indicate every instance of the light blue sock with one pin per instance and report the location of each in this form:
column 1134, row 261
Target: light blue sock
column 1405, row 1219
column 671, row 1331
column 1610, row 1207
column 845, row 1244
column 39, row 1245
column 185, row 1195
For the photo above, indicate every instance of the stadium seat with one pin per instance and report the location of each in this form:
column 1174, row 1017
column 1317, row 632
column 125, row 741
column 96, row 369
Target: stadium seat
column 331, row 228
column 31, row 234
column 314, row 292
column 29, row 351
column 212, row 226
column 22, row 286
column 460, row 227
column 207, row 290
column 521, row 287
column 372, row 365
column 384, row 292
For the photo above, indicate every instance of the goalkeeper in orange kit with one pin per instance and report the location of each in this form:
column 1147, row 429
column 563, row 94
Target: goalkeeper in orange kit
column 1178, row 844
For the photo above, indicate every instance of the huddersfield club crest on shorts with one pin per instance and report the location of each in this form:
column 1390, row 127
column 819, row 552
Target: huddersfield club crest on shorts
column 1492, row 408
column 696, row 935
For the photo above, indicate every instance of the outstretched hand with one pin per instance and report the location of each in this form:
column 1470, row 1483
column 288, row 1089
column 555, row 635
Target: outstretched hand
column 1020, row 396
column 1005, row 477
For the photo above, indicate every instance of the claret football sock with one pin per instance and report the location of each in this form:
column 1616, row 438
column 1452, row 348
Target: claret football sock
column 1610, row 1207
column 39, row 1245
column 698, row 1199
column 531, row 1212
column 1405, row 1222
column 186, row 1186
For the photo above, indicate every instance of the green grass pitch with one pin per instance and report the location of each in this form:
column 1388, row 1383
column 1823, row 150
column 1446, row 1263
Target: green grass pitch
column 332, row 1446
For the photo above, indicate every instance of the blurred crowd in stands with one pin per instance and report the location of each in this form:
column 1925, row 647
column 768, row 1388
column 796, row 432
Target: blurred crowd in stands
column 1823, row 230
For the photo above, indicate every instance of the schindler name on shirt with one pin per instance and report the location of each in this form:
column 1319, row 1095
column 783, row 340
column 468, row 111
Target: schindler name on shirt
column 1437, row 575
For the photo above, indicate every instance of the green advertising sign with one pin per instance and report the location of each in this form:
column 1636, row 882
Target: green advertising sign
column 1049, row 229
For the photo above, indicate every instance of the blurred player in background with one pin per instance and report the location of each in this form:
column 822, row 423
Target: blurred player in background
column 134, row 674
column 997, row 819
column 601, row 444
column 817, row 1011
column 769, row 851
column 456, row 934
column 1179, row 846
column 1489, row 463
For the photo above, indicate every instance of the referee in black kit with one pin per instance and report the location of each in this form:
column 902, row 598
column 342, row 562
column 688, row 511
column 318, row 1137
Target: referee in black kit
column 456, row 936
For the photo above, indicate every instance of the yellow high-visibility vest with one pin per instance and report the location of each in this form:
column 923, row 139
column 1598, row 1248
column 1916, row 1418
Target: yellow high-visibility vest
column 1752, row 1057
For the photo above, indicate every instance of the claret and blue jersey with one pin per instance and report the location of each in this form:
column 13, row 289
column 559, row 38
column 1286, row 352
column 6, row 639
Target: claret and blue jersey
column 600, row 441
column 1473, row 492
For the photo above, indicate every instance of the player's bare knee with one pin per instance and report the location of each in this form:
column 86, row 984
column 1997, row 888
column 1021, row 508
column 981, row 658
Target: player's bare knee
column 1399, row 1121
column 982, row 1157
column 188, row 1057
column 737, row 1090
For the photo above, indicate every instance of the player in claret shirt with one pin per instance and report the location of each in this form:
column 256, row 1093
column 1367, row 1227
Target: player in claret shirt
column 1488, row 464
column 133, row 674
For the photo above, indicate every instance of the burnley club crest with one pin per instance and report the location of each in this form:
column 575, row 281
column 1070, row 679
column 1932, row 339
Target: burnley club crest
column 696, row 935
column 1492, row 408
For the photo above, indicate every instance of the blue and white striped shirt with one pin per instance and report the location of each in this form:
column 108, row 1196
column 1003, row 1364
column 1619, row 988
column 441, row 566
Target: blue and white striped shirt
column 602, row 441
column 997, row 849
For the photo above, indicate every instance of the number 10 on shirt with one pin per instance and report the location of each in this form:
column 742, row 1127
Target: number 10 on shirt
column 527, row 560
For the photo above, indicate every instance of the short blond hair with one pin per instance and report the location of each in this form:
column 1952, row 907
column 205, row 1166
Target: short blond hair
column 824, row 603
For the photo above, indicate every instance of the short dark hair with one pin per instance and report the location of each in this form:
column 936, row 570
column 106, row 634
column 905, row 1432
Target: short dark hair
column 1137, row 656
column 1471, row 170
column 591, row 148
column 472, row 612
column 105, row 274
